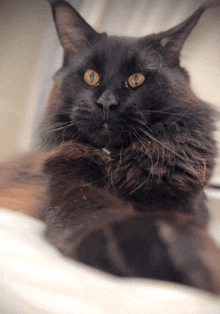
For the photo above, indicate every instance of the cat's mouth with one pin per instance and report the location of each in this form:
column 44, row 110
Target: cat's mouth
column 104, row 136
column 108, row 137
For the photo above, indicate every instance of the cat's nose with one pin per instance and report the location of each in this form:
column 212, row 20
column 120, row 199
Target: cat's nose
column 107, row 101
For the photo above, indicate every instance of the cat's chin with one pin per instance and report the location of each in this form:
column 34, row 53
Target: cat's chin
column 106, row 139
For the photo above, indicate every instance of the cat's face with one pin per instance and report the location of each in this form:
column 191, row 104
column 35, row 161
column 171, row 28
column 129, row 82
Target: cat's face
column 114, row 91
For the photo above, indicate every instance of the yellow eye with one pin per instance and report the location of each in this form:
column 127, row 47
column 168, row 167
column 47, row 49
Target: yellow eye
column 91, row 77
column 136, row 79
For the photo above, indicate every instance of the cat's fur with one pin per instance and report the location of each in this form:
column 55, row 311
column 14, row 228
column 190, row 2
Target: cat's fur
column 125, row 168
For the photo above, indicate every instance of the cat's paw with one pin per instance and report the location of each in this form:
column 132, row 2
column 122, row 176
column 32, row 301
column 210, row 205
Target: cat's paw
column 73, row 155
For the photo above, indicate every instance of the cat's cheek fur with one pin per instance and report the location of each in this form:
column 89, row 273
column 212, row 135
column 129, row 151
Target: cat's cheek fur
column 140, row 162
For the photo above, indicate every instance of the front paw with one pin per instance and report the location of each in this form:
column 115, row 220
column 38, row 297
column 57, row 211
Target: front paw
column 69, row 155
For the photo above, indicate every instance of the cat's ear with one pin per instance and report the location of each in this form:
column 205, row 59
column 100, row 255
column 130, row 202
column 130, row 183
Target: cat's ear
column 73, row 31
column 173, row 39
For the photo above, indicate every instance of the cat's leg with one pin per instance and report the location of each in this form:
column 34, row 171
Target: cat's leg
column 193, row 252
column 77, row 212
column 163, row 248
column 100, row 231
column 78, row 202
column 89, row 224
column 92, row 226
column 136, row 246
column 84, row 216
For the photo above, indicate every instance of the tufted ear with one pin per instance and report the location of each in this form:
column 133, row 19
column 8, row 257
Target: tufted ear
column 173, row 39
column 73, row 31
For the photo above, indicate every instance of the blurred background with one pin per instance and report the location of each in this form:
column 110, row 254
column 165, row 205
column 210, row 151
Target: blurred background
column 31, row 53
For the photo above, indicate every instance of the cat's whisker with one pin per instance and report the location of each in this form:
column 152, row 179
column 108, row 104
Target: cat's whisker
column 144, row 124
column 119, row 163
column 165, row 110
column 146, row 151
column 162, row 144
column 57, row 114
column 74, row 136
column 55, row 130
column 138, row 137
column 57, row 127
column 138, row 187
column 110, row 179
column 63, row 134
column 141, row 139
column 119, row 135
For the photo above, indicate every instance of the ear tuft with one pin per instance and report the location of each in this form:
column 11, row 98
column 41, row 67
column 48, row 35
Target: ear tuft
column 173, row 39
column 73, row 31
column 210, row 4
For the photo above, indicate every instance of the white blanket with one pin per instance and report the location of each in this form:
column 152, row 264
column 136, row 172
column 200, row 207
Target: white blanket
column 36, row 279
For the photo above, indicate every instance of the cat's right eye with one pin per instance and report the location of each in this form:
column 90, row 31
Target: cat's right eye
column 91, row 77
column 136, row 80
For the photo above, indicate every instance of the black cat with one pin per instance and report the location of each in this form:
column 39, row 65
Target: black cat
column 131, row 150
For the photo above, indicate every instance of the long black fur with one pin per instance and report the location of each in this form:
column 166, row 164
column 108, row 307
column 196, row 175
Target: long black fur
column 128, row 165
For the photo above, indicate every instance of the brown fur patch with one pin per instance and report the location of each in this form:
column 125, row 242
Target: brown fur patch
column 23, row 185
column 24, row 199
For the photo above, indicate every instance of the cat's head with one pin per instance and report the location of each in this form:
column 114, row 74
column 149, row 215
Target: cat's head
column 112, row 91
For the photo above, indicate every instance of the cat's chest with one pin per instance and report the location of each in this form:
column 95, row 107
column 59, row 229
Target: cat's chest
column 122, row 168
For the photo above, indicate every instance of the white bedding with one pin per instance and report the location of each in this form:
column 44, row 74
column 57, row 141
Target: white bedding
column 36, row 279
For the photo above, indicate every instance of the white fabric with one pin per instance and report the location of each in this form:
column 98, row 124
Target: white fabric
column 36, row 279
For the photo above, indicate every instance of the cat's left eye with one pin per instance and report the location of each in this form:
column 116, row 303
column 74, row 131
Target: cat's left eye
column 136, row 80
column 91, row 77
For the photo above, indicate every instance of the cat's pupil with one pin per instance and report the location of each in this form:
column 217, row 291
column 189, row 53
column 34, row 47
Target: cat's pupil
column 91, row 77
column 136, row 80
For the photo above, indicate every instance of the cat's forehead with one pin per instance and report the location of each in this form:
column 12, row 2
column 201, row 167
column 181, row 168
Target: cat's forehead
column 126, row 48
column 116, row 52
